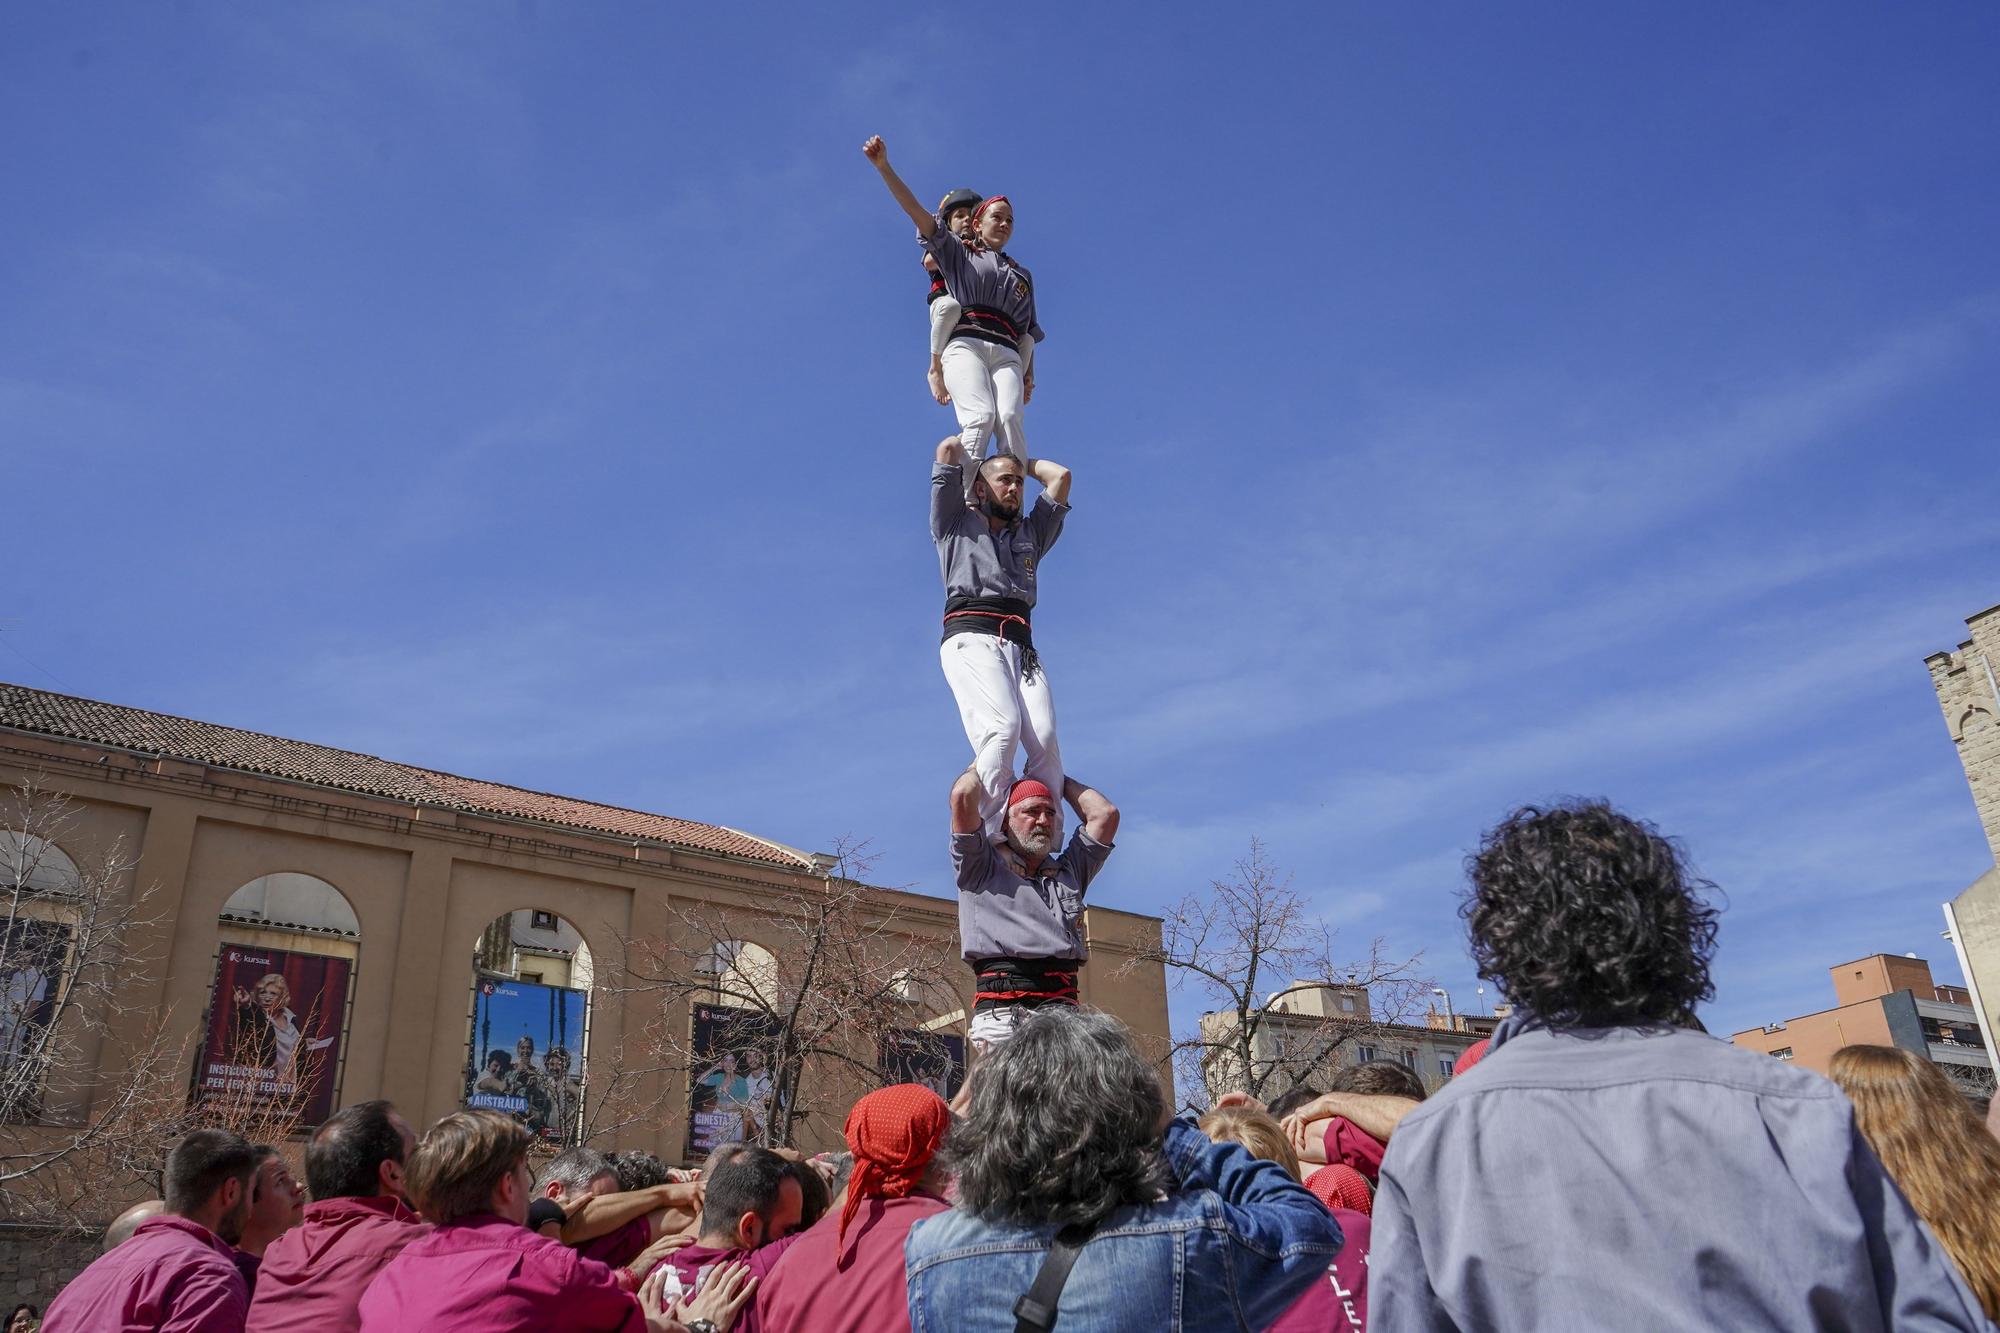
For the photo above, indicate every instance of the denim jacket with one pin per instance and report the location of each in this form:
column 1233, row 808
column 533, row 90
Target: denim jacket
column 1231, row 1247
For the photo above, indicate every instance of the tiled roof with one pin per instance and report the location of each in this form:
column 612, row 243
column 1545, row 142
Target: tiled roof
column 43, row 713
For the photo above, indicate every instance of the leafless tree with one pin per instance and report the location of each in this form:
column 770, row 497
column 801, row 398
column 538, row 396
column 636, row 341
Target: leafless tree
column 93, row 1089
column 66, row 928
column 831, row 968
column 1973, row 1081
column 1267, row 969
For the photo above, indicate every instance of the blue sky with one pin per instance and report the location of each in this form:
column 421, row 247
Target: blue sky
column 1468, row 405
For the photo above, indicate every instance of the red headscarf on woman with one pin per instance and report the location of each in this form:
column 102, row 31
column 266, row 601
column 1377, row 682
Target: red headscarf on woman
column 893, row 1133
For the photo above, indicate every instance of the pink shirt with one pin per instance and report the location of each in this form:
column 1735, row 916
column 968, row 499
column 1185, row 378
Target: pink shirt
column 865, row 1290
column 689, row 1260
column 622, row 1246
column 484, row 1274
column 173, row 1276
column 1346, row 1143
column 1339, row 1303
column 314, row 1274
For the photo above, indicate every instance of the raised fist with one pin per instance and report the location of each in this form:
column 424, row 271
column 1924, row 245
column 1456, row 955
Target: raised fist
column 875, row 150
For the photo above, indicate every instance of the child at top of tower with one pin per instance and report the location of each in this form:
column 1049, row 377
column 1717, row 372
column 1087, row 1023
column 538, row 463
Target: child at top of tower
column 988, row 361
column 954, row 213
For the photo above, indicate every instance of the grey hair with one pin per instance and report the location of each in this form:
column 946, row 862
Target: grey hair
column 573, row 1169
column 1064, row 1125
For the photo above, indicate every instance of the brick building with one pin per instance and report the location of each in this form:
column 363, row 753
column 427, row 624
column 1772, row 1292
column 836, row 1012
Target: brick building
column 1884, row 1000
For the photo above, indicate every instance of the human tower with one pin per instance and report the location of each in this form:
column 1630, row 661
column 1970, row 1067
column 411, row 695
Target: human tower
column 1020, row 901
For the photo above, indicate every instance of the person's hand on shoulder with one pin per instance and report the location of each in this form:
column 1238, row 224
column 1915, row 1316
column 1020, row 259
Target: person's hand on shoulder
column 724, row 1292
column 1240, row 1099
column 653, row 1305
column 653, row 1255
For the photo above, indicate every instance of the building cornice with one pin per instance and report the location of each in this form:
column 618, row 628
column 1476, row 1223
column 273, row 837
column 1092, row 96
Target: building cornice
column 476, row 831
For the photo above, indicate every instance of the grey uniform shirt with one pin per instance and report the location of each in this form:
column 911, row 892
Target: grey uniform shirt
column 1645, row 1179
column 985, row 278
column 974, row 561
column 1005, row 914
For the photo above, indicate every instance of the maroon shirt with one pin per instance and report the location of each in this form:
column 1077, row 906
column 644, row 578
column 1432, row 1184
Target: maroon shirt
column 484, row 1274
column 857, row 1287
column 622, row 1246
column 1347, row 1144
column 1338, row 1304
column 173, row 1276
column 689, row 1260
column 314, row 1274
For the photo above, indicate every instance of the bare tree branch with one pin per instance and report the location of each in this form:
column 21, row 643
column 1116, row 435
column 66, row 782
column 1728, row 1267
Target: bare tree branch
column 836, row 970
column 1253, row 951
column 93, row 1090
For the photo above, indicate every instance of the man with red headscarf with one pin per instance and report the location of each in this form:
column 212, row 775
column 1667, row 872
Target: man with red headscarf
column 845, row 1275
column 1020, row 909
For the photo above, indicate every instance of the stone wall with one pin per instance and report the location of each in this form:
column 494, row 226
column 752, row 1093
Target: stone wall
column 36, row 1262
column 1968, row 690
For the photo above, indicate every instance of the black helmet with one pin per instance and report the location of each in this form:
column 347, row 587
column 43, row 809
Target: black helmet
column 958, row 199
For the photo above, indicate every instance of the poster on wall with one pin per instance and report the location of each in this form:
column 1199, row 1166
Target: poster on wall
column 729, row 1098
column 934, row 1059
column 274, row 1027
column 525, row 1058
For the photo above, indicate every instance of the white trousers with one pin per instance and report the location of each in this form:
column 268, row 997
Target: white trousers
column 993, row 1027
column 1002, row 712
column 984, row 380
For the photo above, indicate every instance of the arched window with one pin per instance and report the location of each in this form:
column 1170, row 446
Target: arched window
column 289, row 944
column 40, row 886
column 295, row 903
column 535, row 945
column 30, row 864
column 744, row 971
column 530, row 1029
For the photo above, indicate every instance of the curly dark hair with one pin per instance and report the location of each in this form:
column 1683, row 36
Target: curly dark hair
column 639, row 1170
column 1586, row 917
column 1064, row 1124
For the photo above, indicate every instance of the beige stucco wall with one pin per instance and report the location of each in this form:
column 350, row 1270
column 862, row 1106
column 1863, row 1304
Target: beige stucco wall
column 423, row 885
column 1977, row 914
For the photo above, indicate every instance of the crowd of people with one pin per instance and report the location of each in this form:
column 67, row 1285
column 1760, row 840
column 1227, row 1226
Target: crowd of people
column 1601, row 1163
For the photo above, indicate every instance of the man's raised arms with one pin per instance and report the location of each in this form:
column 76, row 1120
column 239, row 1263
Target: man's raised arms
column 1099, row 816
